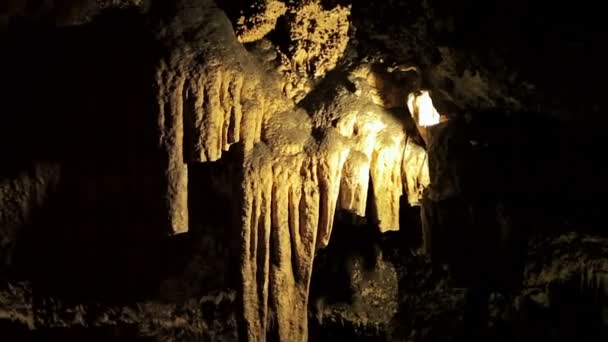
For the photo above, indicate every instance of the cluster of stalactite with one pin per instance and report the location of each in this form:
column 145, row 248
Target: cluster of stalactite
column 212, row 95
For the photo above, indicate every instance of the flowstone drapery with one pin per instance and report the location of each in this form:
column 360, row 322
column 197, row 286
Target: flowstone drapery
column 299, row 164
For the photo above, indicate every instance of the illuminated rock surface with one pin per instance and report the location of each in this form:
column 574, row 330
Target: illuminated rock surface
column 292, row 180
column 254, row 27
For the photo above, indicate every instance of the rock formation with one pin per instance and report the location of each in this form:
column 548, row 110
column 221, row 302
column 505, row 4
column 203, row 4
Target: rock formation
column 213, row 94
column 210, row 96
column 318, row 37
column 254, row 27
column 308, row 123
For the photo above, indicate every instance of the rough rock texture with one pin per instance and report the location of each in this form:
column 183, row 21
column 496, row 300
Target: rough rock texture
column 256, row 26
column 318, row 37
column 310, row 38
column 210, row 318
column 586, row 267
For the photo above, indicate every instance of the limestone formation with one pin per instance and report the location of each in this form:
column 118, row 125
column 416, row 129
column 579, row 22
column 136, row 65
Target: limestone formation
column 300, row 163
column 293, row 183
column 297, row 164
column 307, row 126
column 255, row 27
column 318, row 36
column 208, row 99
column 317, row 39
column 287, row 215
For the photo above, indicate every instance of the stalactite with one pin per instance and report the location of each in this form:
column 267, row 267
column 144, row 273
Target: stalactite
column 292, row 249
column 292, row 187
column 278, row 243
column 170, row 123
column 255, row 238
column 292, row 184
column 354, row 185
column 331, row 157
column 386, row 178
column 216, row 99
column 377, row 146
column 212, row 95
column 290, row 194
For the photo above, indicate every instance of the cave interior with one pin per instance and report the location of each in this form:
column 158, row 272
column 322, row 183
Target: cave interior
column 302, row 170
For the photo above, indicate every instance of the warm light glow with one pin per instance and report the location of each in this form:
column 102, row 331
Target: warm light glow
column 422, row 109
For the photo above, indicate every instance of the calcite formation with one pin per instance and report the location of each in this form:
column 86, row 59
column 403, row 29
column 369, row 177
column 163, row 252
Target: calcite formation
column 207, row 99
column 256, row 26
column 293, row 184
column 319, row 36
column 299, row 164
column 289, row 200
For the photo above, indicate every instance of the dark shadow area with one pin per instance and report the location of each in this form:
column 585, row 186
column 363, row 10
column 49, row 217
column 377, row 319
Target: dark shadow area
column 83, row 98
column 12, row 331
column 352, row 254
column 572, row 313
column 520, row 22
column 333, row 266
column 577, row 306
column 547, row 169
column 214, row 195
